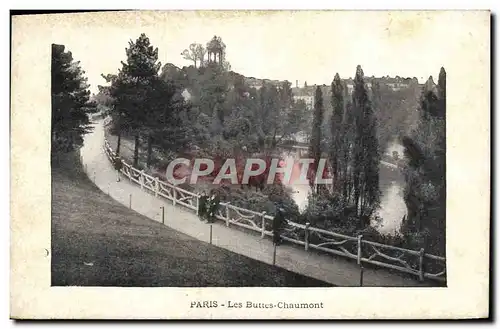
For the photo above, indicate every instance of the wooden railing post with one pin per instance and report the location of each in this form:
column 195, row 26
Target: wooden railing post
column 421, row 264
column 157, row 186
column 274, row 253
column 227, row 214
column 175, row 195
column 361, row 269
column 197, row 204
column 141, row 179
column 360, row 237
column 306, row 240
column 263, row 225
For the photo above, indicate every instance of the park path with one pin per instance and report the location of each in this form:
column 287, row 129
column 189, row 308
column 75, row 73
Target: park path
column 335, row 270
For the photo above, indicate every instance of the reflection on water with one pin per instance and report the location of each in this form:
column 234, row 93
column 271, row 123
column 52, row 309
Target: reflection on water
column 300, row 195
column 392, row 209
column 392, row 205
column 300, row 192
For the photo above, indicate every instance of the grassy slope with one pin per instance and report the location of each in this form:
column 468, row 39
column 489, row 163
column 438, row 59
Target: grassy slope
column 128, row 249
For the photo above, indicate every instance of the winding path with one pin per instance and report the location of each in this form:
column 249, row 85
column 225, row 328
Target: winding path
column 338, row 271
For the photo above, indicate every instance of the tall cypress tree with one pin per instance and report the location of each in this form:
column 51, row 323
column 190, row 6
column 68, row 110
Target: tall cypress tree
column 442, row 93
column 315, row 140
column 71, row 105
column 336, row 129
column 366, row 153
column 348, row 138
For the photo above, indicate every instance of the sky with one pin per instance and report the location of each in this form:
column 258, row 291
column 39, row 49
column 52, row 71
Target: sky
column 307, row 46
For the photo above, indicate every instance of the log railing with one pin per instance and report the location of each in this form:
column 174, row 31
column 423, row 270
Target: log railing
column 416, row 263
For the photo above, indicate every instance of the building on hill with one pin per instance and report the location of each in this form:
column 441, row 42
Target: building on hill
column 216, row 50
column 252, row 82
column 304, row 94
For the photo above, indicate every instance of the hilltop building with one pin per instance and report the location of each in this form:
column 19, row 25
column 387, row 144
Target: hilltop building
column 306, row 93
column 216, row 50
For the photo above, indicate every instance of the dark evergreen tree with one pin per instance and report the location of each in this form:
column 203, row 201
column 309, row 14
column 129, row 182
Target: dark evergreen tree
column 166, row 119
column 442, row 93
column 348, row 138
column 336, row 127
column 286, row 95
column 425, row 192
column 315, row 141
column 71, row 105
column 270, row 115
column 134, row 88
column 366, row 152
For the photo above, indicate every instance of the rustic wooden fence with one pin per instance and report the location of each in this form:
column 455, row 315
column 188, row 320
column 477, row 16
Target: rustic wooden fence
column 417, row 263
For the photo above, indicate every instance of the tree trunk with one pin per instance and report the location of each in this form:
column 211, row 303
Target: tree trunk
column 136, row 150
column 357, row 192
column 150, row 151
column 119, row 142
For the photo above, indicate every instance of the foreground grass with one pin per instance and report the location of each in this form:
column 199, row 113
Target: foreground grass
column 98, row 242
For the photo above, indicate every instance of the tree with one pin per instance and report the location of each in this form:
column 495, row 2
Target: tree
column 269, row 116
column 442, row 93
column 134, row 88
column 211, row 87
column 278, row 116
column 425, row 174
column 315, row 141
column 348, row 142
column 71, row 105
column 296, row 119
column 366, row 152
column 395, row 110
column 115, row 111
column 170, row 72
column 103, row 97
column 195, row 53
column 167, row 121
column 286, row 95
column 336, row 129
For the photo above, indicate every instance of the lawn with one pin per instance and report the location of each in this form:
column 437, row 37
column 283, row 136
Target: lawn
column 98, row 242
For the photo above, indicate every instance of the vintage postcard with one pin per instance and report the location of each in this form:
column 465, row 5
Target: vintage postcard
column 250, row 165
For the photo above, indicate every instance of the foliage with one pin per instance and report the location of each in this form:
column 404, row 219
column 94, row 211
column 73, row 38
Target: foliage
column 349, row 205
column 195, row 53
column 337, row 147
column 425, row 175
column 366, row 153
column 71, row 105
column 315, row 141
column 143, row 103
column 266, row 200
column 396, row 112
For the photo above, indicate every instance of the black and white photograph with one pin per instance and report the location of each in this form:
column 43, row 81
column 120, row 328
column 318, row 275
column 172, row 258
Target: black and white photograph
column 282, row 149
